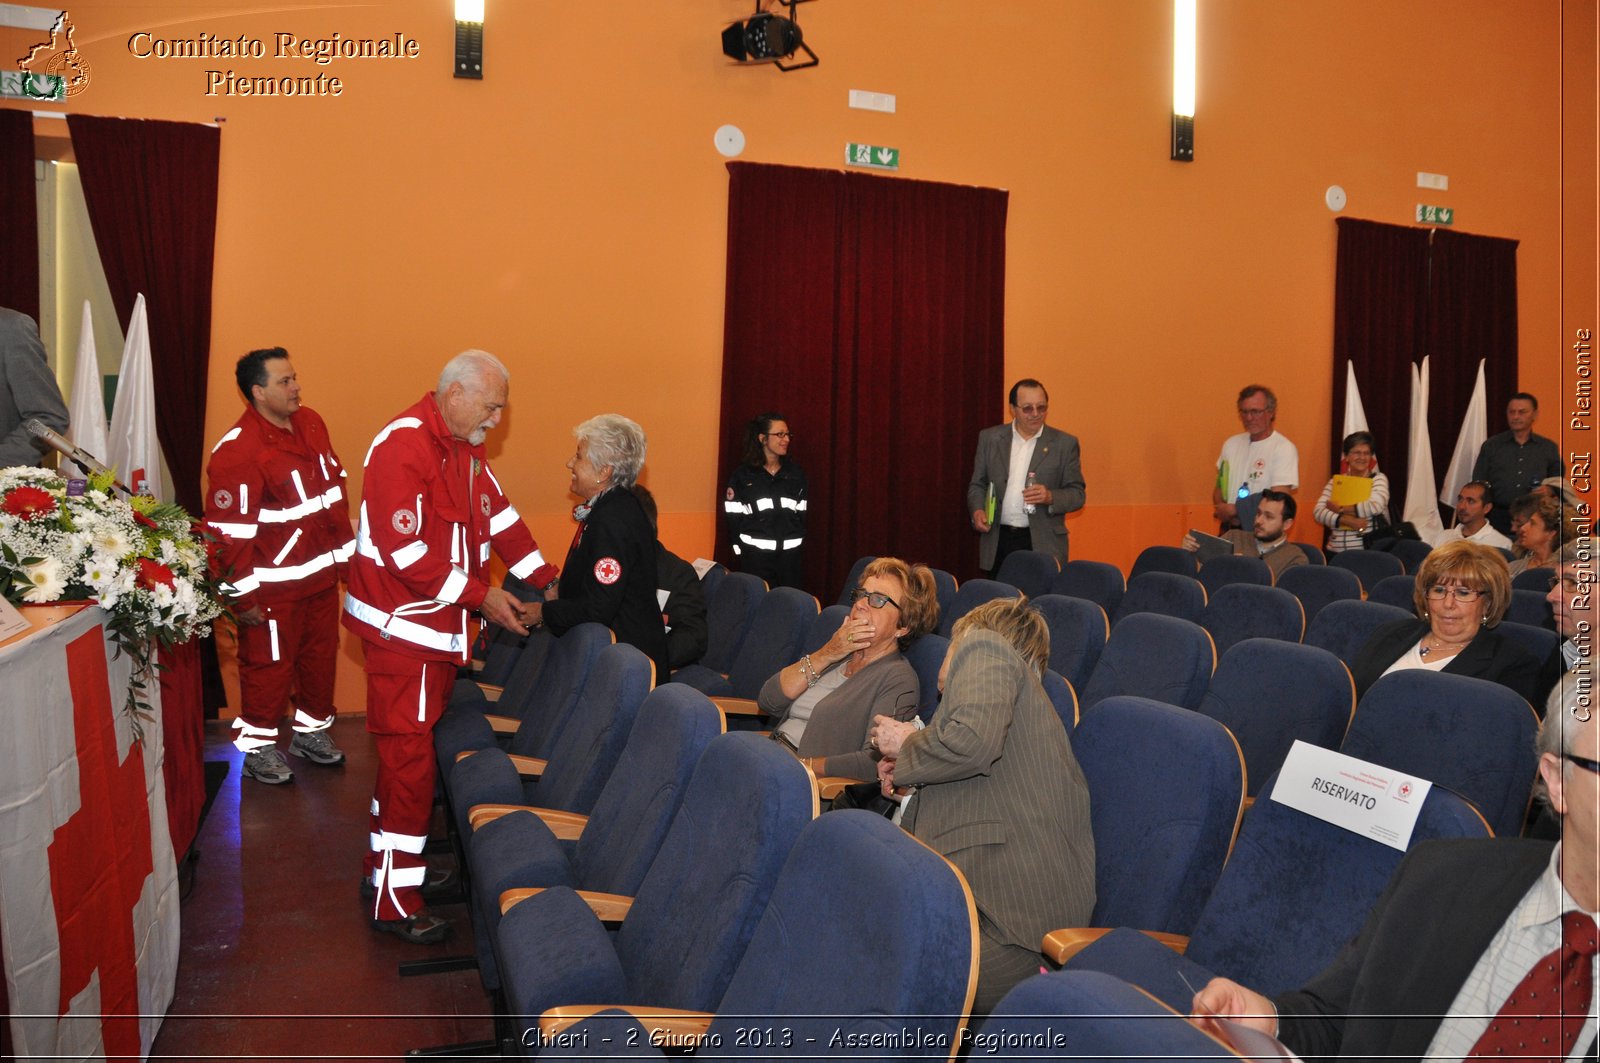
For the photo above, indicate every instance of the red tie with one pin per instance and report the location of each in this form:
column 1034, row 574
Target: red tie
column 1542, row 1016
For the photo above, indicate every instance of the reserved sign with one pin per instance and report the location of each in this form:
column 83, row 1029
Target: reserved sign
column 1373, row 801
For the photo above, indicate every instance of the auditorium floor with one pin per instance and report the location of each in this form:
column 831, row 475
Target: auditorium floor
column 277, row 960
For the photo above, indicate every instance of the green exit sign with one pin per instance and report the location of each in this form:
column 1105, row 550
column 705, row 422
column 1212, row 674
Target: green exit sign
column 872, row 156
column 1435, row 215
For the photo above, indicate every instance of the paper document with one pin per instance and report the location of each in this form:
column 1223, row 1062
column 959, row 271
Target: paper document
column 1350, row 490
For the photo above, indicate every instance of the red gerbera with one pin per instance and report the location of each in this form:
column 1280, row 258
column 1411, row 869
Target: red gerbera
column 152, row 574
column 29, row 502
column 146, row 521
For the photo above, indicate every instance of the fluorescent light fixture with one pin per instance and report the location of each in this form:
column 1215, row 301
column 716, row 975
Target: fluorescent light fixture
column 469, row 39
column 1183, row 71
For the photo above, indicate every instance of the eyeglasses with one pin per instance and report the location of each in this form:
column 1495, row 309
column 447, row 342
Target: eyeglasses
column 876, row 599
column 1585, row 763
column 1031, row 410
column 1439, row 592
column 779, row 435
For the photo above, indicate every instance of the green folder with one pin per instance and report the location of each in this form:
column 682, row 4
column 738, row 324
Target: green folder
column 988, row 506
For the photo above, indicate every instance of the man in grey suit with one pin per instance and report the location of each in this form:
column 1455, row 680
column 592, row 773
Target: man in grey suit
column 1031, row 473
column 27, row 389
column 998, row 791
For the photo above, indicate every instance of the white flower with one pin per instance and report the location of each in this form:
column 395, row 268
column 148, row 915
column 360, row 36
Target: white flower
column 109, row 539
column 119, row 586
column 162, row 594
column 46, row 581
column 99, row 571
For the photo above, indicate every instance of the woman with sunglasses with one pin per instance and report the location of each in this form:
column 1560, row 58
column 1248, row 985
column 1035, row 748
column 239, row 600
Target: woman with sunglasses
column 822, row 704
column 765, row 505
column 1463, row 589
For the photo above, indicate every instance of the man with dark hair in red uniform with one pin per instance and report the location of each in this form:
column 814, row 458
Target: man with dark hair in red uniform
column 278, row 503
column 430, row 513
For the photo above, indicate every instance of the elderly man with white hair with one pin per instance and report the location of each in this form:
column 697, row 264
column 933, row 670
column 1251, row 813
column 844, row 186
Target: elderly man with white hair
column 431, row 511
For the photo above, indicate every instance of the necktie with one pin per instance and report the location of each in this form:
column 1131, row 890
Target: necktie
column 1542, row 1016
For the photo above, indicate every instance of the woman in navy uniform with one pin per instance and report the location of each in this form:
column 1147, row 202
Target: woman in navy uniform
column 610, row 574
column 766, row 505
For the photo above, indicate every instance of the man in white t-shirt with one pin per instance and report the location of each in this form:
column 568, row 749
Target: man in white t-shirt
column 1472, row 518
column 1254, row 460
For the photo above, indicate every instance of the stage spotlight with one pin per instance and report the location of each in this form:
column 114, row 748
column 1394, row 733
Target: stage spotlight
column 767, row 38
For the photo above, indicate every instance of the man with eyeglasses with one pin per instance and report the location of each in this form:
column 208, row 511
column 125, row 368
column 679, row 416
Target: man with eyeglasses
column 1477, row 947
column 1253, row 461
column 1026, row 478
column 1571, row 601
column 1515, row 461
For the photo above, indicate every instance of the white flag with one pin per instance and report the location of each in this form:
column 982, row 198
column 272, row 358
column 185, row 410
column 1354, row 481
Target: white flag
column 1421, row 509
column 132, row 448
column 1355, row 415
column 1474, row 430
column 88, row 406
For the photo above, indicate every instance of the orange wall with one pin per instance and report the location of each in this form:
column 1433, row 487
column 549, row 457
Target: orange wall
column 567, row 212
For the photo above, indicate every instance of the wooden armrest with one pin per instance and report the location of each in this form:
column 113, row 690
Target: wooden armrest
column 831, row 786
column 566, row 826
column 530, row 766
column 608, row 907
column 1249, row 803
column 478, row 815
column 491, row 693
column 1061, row 945
column 736, row 706
column 476, row 665
column 503, row 725
column 669, row 1027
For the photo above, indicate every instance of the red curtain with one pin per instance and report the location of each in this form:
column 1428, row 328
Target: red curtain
column 1472, row 314
column 151, row 190
column 1380, row 297
column 1401, row 294
column 870, row 311
column 19, row 222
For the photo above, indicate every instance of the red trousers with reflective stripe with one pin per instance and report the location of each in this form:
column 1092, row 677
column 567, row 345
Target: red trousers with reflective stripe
column 292, row 652
column 405, row 698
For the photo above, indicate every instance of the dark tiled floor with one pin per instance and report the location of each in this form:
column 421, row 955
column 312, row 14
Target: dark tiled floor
column 277, row 960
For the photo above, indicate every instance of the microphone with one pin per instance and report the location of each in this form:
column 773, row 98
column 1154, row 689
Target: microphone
column 58, row 442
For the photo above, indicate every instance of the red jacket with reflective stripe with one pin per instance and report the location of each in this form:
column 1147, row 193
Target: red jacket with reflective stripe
column 430, row 513
column 277, row 500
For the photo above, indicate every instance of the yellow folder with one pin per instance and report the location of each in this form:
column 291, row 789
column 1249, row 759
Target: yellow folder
column 1350, row 490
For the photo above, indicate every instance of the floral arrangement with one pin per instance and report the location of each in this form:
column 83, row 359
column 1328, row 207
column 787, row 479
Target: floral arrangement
column 147, row 563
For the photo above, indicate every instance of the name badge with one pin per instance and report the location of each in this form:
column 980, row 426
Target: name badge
column 1373, row 801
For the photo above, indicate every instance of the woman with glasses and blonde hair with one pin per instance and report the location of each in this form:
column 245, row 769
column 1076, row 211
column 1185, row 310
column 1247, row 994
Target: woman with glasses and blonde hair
column 823, row 703
column 765, row 505
column 1463, row 589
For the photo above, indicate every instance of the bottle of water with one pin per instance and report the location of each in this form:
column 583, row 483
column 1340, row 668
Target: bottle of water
column 1032, row 479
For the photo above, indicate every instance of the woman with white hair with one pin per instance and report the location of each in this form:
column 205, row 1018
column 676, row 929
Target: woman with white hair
column 610, row 574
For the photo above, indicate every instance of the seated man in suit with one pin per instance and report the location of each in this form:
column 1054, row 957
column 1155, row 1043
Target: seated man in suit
column 1031, row 476
column 1269, row 537
column 1571, row 601
column 1476, row 947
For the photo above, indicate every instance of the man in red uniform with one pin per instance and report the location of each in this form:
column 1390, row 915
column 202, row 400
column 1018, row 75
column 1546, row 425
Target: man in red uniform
column 278, row 503
column 430, row 513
